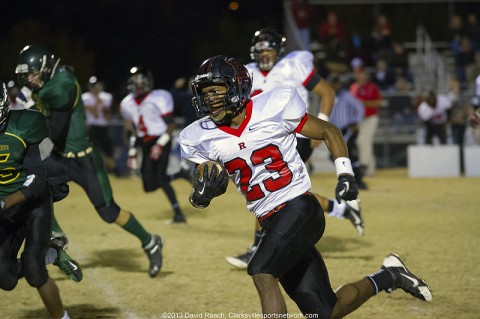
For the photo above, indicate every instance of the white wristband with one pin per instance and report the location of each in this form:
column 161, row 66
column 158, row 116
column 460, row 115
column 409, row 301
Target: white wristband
column 164, row 139
column 132, row 151
column 323, row 116
column 131, row 142
column 343, row 166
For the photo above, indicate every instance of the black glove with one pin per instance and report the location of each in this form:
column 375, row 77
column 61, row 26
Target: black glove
column 4, row 211
column 209, row 187
column 58, row 187
column 347, row 188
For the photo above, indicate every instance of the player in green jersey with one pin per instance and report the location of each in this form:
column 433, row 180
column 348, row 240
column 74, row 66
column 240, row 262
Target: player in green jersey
column 25, row 205
column 57, row 94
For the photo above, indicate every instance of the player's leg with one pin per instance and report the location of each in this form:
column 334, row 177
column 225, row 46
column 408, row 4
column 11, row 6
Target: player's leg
column 50, row 295
column 271, row 298
column 38, row 225
column 55, row 170
column 307, row 283
column 154, row 176
column 89, row 173
column 287, row 235
column 11, row 239
column 393, row 274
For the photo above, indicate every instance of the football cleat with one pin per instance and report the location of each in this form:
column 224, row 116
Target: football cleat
column 241, row 261
column 63, row 261
column 154, row 254
column 62, row 238
column 405, row 279
column 353, row 213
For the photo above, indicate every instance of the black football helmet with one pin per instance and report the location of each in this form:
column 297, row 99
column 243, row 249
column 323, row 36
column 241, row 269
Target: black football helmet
column 267, row 39
column 35, row 59
column 140, row 81
column 222, row 71
column 3, row 105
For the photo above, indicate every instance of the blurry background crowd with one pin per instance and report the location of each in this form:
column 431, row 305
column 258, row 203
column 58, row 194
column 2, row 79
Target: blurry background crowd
column 416, row 52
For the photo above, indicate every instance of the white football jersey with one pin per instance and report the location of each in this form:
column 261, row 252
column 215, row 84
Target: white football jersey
column 90, row 101
column 147, row 115
column 260, row 155
column 294, row 69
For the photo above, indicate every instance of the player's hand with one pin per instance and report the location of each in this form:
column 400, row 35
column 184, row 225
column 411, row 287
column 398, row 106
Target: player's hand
column 212, row 184
column 347, row 188
column 25, row 98
column 156, row 152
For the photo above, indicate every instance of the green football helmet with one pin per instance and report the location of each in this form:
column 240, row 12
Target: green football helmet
column 3, row 104
column 35, row 59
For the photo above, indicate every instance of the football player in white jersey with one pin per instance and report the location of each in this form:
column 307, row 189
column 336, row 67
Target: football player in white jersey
column 151, row 114
column 271, row 69
column 254, row 140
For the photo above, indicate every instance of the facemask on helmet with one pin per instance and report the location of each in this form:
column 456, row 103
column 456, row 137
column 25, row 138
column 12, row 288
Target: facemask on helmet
column 35, row 66
column 267, row 48
column 140, row 81
column 230, row 99
column 3, row 105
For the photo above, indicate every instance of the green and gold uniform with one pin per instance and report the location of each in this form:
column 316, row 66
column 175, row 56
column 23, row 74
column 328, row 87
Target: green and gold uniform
column 21, row 170
column 73, row 156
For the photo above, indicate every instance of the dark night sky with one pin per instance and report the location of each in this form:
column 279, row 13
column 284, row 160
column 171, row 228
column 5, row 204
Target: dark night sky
column 172, row 37
column 107, row 37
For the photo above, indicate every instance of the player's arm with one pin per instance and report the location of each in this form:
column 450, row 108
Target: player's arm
column 315, row 128
column 323, row 89
column 35, row 183
column 156, row 150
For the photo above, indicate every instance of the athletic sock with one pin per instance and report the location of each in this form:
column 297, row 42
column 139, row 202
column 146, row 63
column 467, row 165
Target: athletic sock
column 55, row 226
column 134, row 227
column 381, row 280
column 337, row 209
column 50, row 256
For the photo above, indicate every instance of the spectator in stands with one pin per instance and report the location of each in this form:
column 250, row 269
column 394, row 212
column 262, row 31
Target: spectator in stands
column 383, row 76
column 335, row 57
column 464, row 58
column 473, row 70
column 398, row 61
column 381, row 37
column 358, row 47
column 401, row 108
column 369, row 94
column 332, row 28
column 182, row 99
column 433, row 112
column 455, row 32
column 302, row 13
column 472, row 30
column 98, row 108
column 459, row 114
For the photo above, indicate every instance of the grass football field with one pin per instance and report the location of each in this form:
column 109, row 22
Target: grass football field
column 432, row 223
